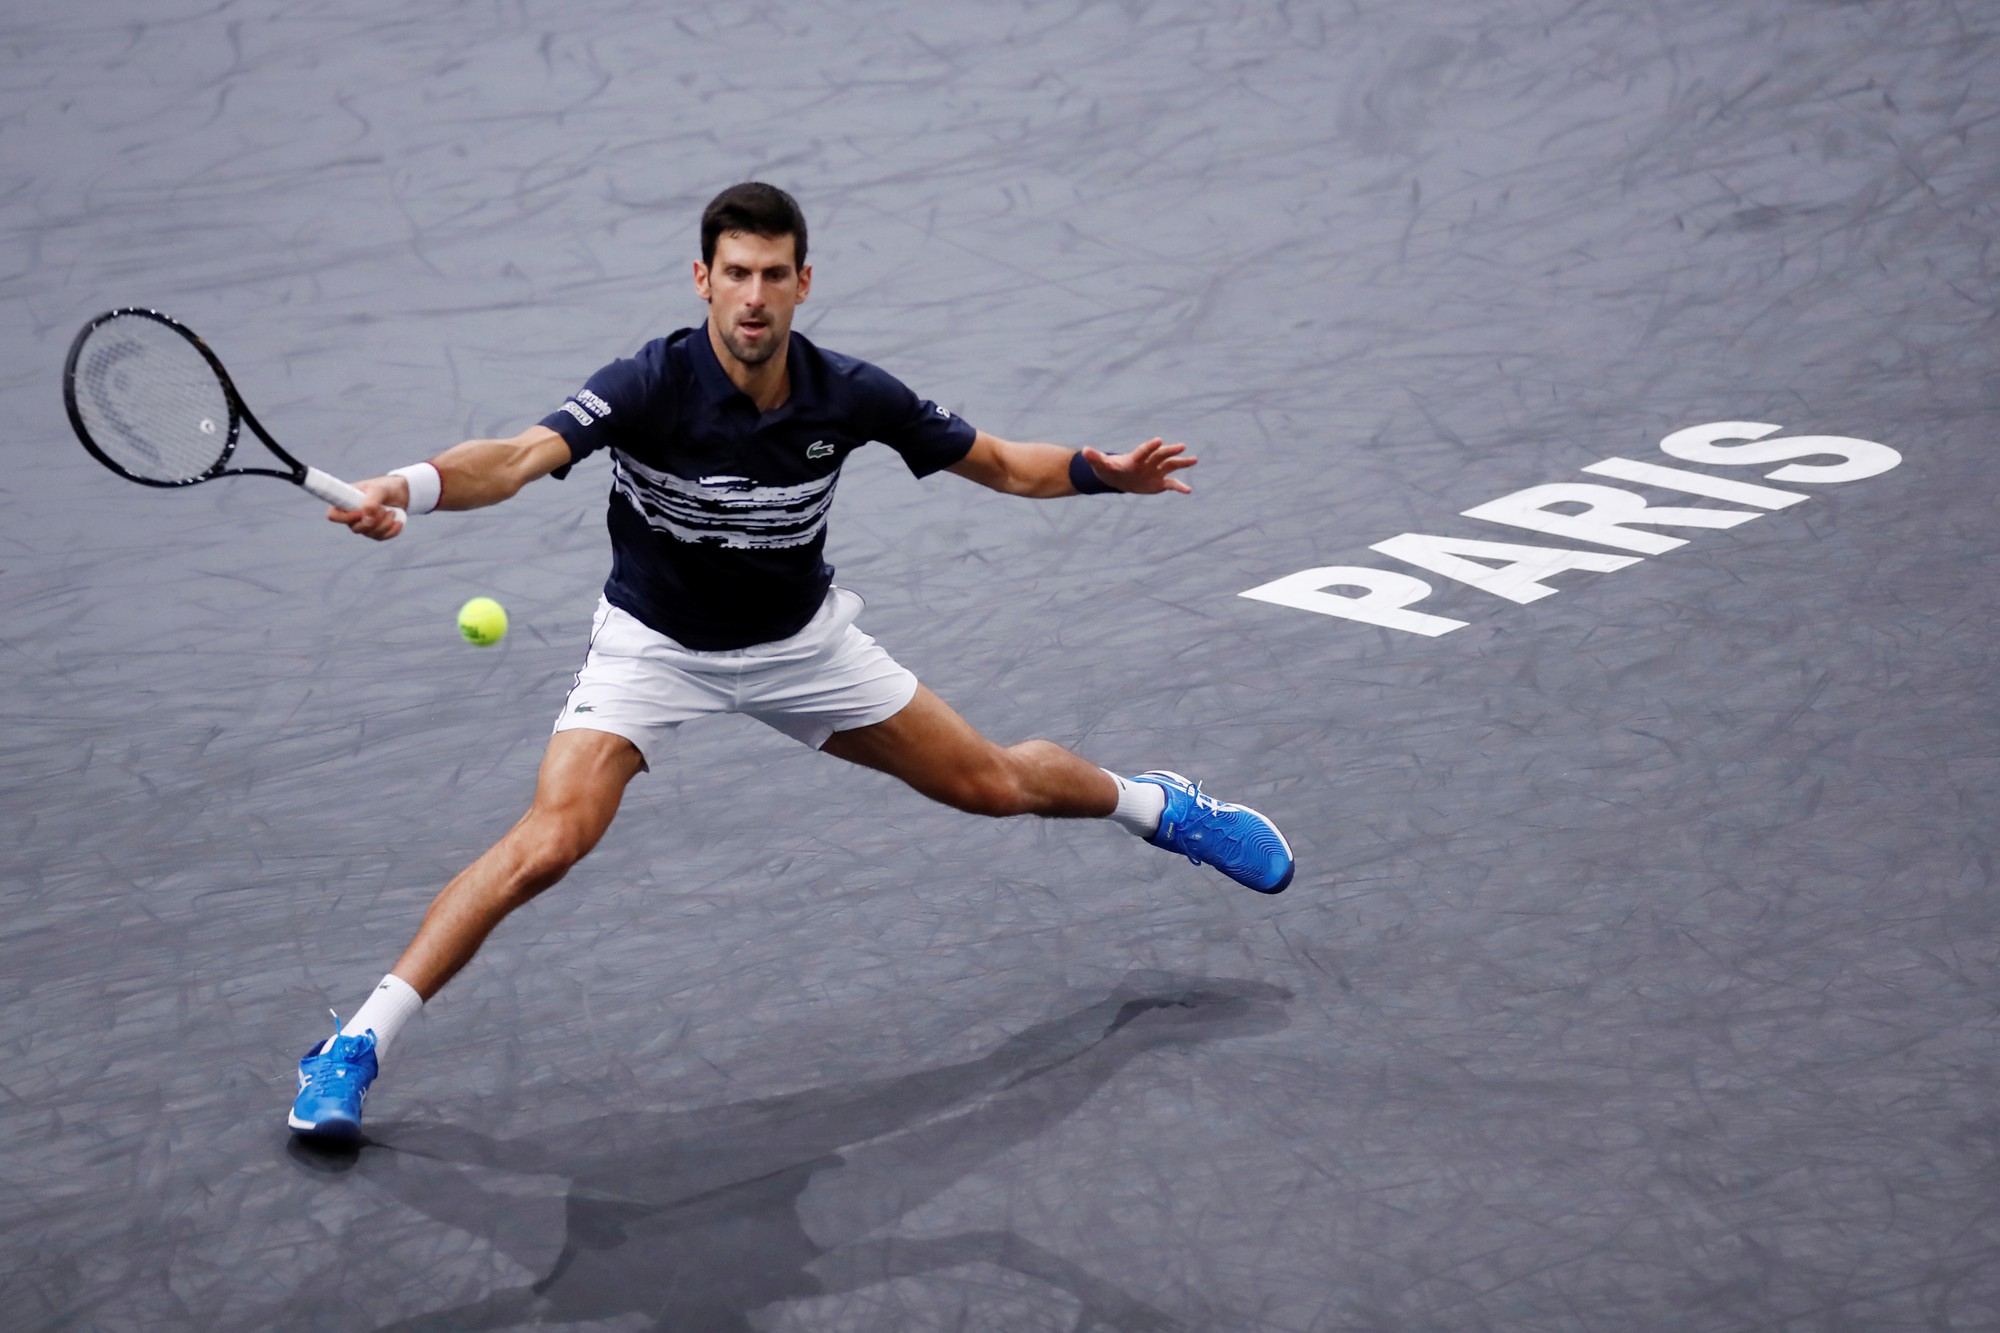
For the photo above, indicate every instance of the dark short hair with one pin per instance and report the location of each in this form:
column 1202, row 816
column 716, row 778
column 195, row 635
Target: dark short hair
column 756, row 208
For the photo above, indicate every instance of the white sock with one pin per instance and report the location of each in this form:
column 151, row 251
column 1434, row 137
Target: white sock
column 393, row 1003
column 1140, row 805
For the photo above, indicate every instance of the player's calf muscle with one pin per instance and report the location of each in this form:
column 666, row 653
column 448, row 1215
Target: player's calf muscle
column 1063, row 784
column 1033, row 778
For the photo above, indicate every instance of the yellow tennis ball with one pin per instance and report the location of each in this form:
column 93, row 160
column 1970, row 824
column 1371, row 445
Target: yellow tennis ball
column 482, row 621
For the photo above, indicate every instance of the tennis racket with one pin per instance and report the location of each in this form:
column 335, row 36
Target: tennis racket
column 151, row 402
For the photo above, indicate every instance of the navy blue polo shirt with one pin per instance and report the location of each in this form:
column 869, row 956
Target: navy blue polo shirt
column 718, row 512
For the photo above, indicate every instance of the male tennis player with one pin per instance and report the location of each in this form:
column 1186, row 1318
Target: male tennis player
column 726, row 441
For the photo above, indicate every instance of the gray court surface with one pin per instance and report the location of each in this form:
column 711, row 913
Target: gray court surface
column 1640, row 972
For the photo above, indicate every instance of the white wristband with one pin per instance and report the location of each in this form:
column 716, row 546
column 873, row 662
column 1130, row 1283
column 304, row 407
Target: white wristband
column 425, row 486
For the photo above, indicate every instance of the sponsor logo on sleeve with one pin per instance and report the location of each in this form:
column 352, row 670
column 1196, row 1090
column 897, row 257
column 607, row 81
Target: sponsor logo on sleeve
column 594, row 403
column 583, row 417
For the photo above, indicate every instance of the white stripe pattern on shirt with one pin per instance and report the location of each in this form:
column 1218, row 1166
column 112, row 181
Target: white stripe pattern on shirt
column 726, row 511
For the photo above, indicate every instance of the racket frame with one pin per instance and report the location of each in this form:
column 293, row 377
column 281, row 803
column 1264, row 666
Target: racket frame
column 322, row 485
column 239, row 413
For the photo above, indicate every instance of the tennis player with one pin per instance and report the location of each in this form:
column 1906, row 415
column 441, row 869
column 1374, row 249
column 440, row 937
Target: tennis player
column 725, row 443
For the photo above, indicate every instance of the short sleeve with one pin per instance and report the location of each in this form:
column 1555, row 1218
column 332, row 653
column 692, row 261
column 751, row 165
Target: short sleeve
column 929, row 437
column 596, row 416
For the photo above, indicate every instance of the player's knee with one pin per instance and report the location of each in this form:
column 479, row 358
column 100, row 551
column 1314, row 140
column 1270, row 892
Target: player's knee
column 993, row 789
column 549, row 845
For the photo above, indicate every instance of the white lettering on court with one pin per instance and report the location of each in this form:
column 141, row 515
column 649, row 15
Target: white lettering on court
column 1585, row 512
column 1518, row 575
column 1384, row 595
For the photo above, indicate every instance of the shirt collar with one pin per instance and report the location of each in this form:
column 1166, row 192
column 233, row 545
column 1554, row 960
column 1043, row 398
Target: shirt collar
column 717, row 387
column 716, row 384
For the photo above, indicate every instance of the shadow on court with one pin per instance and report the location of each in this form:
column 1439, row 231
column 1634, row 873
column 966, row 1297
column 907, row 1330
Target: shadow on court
column 697, row 1219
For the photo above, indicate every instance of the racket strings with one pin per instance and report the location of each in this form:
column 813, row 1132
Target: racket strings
column 151, row 402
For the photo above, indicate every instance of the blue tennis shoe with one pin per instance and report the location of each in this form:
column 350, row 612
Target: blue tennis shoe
column 1235, row 839
column 333, row 1082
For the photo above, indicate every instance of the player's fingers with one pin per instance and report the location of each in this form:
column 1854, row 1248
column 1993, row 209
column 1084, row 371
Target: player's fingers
column 1161, row 474
column 378, row 522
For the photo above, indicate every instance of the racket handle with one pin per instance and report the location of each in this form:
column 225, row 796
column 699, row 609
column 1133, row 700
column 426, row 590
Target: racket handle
column 327, row 487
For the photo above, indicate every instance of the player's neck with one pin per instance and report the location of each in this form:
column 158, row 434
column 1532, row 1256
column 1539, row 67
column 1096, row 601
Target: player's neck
column 767, row 384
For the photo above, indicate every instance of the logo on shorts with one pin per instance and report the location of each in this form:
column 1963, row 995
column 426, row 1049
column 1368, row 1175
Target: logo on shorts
column 819, row 449
column 584, row 708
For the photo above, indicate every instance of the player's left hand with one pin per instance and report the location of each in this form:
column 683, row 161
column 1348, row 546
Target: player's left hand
column 1147, row 470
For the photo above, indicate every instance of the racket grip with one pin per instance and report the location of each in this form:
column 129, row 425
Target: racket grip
column 327, row 487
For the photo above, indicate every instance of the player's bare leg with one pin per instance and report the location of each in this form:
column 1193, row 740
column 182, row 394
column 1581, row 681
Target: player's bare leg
column 583, row 778
column 930, row 747
column 933, row 749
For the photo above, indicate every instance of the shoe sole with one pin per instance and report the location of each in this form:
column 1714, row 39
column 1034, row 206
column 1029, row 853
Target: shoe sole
column 326, row 1131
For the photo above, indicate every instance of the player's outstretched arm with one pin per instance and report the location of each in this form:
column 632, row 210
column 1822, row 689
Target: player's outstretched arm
column 471, row 475
column 1044, row 471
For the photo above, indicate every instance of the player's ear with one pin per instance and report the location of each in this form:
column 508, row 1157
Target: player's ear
column 805, row 280
column 701, row 279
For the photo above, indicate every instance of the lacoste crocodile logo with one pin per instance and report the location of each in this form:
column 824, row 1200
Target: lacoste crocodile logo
column 819, row 449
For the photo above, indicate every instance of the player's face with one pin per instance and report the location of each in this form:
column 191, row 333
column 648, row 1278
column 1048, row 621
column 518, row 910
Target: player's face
column 751, row 289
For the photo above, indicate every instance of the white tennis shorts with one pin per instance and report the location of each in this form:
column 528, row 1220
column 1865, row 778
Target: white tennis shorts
column 640, row 684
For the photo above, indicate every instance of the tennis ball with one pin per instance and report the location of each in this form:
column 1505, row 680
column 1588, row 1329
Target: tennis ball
column 482, row 621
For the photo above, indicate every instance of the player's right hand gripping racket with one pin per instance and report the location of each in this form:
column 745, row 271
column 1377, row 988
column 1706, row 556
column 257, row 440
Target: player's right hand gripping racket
column 153, row 404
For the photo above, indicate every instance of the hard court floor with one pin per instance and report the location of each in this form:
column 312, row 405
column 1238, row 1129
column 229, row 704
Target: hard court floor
column 1640, row 972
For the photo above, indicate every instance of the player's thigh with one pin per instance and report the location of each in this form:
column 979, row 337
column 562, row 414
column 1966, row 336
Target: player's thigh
column 928, row 745
column 582, row 780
